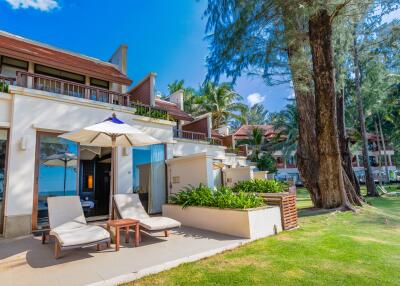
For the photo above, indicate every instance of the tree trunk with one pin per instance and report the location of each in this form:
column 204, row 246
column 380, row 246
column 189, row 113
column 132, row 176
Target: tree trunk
column 369, row 180
column 307, row 151
column 379, row 156
column 330, row 178
column 353, row 187
column 383, row 146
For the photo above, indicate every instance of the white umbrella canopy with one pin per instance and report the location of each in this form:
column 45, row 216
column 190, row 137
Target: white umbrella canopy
column 103, row 134
column 112, row 132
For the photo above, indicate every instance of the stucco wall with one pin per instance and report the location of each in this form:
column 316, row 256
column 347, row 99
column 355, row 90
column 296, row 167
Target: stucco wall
column 36, row 110
column 190, row 170
column 184, row 147
column 234, row 175
column 5, row 109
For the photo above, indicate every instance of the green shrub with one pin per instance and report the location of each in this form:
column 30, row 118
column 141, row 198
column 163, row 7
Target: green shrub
column 221, row 198
column 259, row 186
column 4, row 87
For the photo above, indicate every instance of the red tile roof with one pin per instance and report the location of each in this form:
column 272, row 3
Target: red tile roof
column 24, row 49
column 173, row 110
column 245, row 131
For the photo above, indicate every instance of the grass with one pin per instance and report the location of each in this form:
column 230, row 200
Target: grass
column 329, row 248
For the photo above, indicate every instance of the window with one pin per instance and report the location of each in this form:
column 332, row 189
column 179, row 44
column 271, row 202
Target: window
column 14, row 63
column 99, row 83
column 57, row 171
column 10, row 66
column 59, row 74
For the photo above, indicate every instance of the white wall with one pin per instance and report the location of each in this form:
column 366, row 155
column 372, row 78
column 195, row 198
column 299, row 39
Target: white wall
column 234, row 175
column 5, row 109
column 190, row 170
column 37, row 110
column 184, row 147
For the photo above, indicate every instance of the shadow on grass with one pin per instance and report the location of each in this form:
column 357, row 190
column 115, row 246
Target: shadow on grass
column 307, row 212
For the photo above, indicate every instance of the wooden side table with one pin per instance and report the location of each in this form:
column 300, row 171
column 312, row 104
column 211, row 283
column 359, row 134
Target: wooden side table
column 125, row 224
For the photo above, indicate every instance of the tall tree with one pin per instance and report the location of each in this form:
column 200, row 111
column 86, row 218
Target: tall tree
column 369, row 180
column 268, row 39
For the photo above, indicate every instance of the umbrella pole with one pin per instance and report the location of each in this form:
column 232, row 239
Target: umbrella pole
column 65, row 175
column 113, row 175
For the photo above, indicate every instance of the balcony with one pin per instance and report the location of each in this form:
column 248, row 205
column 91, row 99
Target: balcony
column 59, row 86
column 195, row 136
column 56, row 85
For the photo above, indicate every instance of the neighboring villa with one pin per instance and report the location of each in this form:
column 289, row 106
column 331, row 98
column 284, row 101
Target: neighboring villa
column 51, row 91
column 286, row 167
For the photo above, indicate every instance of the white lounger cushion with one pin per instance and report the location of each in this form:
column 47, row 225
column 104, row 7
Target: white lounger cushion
column 129, row 206
column 83, row 235
column 65, row 209
column 159, row 223
column 68, row 223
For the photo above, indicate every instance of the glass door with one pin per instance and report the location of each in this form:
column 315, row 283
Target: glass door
column 3, row 165
column 56, row 173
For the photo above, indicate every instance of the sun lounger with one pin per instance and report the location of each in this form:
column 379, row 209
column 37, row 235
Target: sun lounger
column 129, row 206
column 68, row 225
column 385, row 192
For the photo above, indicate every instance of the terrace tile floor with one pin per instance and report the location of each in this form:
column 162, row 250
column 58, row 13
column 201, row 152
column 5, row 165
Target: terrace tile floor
column 25, row 261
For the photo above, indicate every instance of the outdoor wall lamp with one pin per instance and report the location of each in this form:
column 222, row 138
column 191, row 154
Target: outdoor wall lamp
column 125, row 151
column 23, row 143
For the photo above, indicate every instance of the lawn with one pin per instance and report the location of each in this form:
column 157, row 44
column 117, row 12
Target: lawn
column 329, row 248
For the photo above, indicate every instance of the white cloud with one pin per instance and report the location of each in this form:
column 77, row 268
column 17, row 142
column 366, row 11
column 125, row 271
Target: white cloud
column 42, row 5
column 255, row 98
column 291, row 96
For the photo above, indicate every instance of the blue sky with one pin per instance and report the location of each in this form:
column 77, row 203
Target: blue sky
column 166, row 37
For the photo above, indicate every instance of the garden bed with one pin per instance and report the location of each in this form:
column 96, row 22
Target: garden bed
column 248, row 223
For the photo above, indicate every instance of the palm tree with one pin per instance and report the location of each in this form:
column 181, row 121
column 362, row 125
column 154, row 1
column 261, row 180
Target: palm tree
column 254, row 115
column 175, row 86
column 220, row 100
column 285, row 124
column 189, row 95
column 256, row 141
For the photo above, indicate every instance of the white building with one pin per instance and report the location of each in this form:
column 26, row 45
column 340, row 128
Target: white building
column 46, row 91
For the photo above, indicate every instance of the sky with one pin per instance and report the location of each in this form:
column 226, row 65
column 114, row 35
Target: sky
column 165, row 37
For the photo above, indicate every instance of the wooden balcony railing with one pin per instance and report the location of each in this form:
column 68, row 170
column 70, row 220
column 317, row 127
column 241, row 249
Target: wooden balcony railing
column 56, row 85
column 178, row 133
column 7, row 80
column 215, row 141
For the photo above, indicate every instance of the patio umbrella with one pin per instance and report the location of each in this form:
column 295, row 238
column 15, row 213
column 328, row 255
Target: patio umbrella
column 62, row 160
column 112, row 132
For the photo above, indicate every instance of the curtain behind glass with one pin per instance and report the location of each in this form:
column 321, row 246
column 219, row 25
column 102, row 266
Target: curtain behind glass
column 157, row 196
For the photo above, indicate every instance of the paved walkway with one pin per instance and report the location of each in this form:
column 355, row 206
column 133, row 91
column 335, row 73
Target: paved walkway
column 25, row 261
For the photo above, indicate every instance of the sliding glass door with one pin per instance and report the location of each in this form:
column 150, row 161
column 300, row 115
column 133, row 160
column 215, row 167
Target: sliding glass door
column 3, row 164
column 149, row 176
column 56, row 173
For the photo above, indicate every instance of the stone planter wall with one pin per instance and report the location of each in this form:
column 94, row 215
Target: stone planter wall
column 250, row 223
